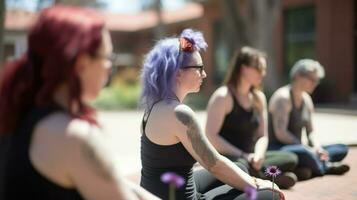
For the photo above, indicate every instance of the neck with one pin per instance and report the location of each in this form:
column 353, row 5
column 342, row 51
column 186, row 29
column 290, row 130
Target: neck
column 61, row 98
column 243, row 88
column 180, row 94
column 297, row 92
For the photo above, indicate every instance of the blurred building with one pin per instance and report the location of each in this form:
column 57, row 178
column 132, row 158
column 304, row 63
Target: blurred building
column 325, row 30
column 132, row 34
column 320, row 29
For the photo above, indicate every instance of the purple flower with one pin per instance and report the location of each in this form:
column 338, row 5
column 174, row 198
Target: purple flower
column 272, row 171
column 173, row 178
column 251, row 192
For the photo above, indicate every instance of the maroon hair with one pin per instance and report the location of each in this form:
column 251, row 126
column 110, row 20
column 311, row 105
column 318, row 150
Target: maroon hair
column 57, row 38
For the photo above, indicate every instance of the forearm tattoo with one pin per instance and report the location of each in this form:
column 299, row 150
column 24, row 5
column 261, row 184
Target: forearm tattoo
column 200, row 143
column 96, row 163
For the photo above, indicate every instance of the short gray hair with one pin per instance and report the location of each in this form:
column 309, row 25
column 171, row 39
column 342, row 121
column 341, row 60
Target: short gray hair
column 305, row 66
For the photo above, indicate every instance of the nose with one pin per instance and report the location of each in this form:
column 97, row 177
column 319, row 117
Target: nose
column 203, row 75
column 108, row 64
column 264, row 73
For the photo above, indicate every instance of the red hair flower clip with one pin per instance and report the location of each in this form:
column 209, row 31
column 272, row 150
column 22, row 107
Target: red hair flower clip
column 186, row 45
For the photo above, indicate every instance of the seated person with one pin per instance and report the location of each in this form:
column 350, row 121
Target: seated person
column 291, row 110
column 172, row 140
column 237, row 119
column 56, row 148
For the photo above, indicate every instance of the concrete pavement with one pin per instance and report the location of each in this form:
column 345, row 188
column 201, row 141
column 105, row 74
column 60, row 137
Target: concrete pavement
column 124, row 130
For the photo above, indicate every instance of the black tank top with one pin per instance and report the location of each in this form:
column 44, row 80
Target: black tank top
column 239, row 126
column 297, row 121
column 21, row 179
column 158, row 159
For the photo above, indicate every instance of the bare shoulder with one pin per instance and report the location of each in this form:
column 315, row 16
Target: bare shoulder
column 166, row 112
column 55, row 123
column 221, row 99
column 184, row 113
column 281, row 97
column 62, row 124
column 54, row 129
column 55, row 146
column 80, row 129
column 221, row 93
column 261, row 95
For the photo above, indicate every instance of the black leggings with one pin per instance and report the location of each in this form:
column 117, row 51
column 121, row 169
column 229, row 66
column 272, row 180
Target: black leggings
column 285, row 161
column 213, row 189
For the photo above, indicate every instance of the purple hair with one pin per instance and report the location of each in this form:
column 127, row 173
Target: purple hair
column 162, row 63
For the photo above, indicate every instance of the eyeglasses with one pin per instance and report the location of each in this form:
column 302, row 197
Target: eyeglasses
column 199, row 67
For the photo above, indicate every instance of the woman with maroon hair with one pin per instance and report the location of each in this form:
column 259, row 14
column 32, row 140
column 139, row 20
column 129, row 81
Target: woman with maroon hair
column 56, row 146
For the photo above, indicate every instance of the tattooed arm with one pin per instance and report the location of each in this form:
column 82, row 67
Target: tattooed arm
column 195, row 141
column 280, row 108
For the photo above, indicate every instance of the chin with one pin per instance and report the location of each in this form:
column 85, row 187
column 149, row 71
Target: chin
column 198, row 89
column 90, row 97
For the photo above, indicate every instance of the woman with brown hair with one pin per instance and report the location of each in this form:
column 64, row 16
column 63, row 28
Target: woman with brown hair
column 237, row 119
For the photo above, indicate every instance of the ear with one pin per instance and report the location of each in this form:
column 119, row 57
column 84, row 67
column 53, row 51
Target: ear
column 81, row 62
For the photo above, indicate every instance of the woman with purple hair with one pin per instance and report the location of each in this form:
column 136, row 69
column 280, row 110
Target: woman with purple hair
column 172, row 140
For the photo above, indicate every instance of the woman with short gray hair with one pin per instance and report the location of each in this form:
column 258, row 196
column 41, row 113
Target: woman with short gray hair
column 306, row 66
column 291, row 109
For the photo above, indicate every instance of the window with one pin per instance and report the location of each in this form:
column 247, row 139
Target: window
column 299, row 35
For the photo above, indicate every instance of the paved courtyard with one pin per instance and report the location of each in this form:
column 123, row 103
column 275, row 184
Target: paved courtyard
column 124, row 128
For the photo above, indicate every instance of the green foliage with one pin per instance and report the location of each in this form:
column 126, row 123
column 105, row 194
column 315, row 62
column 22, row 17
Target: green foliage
column 119, row 96
column 197, row 101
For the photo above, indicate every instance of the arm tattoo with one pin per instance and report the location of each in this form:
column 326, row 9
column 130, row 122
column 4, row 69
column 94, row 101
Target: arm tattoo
column 199, row 142
column 280, row 116
column 281, row 121
column 96, row 163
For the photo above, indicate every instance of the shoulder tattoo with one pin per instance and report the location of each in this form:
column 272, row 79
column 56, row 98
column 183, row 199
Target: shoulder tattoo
column 199, row 142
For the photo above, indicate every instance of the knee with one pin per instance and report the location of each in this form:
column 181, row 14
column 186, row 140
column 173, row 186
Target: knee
column 267, row 194
column 291, row 160
column 344, row 148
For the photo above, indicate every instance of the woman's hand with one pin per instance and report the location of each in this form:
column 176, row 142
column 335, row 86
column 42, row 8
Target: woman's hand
column 322, row 153
column 248, row 156
column 266, row 184
column 257, row 162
